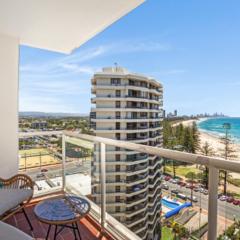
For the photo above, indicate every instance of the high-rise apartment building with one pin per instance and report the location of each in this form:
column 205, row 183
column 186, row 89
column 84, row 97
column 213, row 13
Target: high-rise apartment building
column 128, row 106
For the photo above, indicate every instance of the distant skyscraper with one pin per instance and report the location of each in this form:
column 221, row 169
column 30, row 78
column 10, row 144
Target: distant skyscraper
column 175, row 113
column 164, row 113
column 129, row 108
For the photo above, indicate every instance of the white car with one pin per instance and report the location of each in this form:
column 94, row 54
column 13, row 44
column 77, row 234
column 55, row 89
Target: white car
column 223, row 198
column 194, row 199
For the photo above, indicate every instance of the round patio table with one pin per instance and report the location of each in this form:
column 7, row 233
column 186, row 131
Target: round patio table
column 62, row 212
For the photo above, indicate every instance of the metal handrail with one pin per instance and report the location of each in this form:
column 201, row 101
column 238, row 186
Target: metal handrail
column 217, row 162
column 213, row 163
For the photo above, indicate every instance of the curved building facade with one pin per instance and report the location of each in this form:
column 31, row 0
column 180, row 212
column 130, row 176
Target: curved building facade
column 128, row 107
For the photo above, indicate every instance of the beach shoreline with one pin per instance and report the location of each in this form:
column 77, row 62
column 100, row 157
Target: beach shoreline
column 213, row 139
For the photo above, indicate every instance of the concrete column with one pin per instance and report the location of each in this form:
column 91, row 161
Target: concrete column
column 9, row 61
column 213, row 203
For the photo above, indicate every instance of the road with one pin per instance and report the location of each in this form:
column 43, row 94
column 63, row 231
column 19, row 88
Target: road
column 56, row 170
column 225, row 209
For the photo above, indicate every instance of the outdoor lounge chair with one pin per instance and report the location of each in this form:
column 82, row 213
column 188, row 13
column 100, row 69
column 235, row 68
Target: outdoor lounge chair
column 15, row 193
column 8, row 232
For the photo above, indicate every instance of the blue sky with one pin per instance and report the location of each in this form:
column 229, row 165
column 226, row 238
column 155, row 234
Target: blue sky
column 191, row 46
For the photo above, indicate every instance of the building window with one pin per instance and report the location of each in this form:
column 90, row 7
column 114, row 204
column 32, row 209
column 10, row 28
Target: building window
column 115, row 81
column 117, row 157
column 118, row 93
column 117, row 189
column 117, row 199
column 118, row 104
column 117, row 135
column 117, row 148
column 118, row 115
column 118, row 125
column 117, row 179
column 117, row 209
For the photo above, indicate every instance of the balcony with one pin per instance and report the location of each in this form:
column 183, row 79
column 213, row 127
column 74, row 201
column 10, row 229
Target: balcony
column 58, row 178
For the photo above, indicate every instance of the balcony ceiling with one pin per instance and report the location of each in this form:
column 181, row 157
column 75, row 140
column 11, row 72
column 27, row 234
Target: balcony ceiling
column 60, row 25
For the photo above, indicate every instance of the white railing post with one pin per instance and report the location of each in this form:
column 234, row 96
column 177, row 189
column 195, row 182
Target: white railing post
column 102, row 155
column 213, row 203
column 63, row 162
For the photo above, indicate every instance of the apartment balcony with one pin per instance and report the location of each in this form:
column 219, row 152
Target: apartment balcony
column 121, row 130
column 126, row 109
column 60, row 174
column 125, row 87
column 132, row 98
column 105, row 119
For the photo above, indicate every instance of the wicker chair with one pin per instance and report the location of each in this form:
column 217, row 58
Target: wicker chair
column 15, row 193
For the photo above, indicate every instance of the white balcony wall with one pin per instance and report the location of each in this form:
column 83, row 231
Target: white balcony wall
column 9, row 55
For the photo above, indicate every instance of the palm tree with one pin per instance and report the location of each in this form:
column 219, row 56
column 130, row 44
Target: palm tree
column 206, row 150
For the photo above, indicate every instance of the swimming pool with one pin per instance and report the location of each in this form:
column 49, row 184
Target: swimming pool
column 170, row 203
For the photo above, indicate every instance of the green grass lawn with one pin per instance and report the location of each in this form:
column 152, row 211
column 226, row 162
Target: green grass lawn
column 181, row 171
column 167, row 233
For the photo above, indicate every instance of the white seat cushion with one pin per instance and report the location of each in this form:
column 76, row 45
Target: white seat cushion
column 10, row 198
column 8, row 232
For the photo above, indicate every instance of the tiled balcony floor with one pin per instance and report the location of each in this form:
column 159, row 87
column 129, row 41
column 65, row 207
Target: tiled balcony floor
column 87, row 229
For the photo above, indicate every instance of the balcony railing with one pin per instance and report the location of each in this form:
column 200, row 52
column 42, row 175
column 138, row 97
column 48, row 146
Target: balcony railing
column 214, row 165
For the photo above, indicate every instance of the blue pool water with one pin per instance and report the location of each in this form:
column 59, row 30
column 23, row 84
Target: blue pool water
column 215, row 126
column 170, row 204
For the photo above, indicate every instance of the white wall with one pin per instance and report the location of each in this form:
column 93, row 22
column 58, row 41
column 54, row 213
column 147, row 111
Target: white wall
column 9, row 55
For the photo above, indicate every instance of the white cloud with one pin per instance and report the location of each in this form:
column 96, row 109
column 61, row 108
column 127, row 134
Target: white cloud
column 43, row 86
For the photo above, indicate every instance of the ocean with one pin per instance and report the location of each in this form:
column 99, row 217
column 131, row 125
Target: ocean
column 215, row 126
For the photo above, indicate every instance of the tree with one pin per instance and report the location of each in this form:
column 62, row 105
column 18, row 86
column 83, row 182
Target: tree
column 195, row 137
column 191, row 175
column 227, row 153
column 206, row 150
column 187, row 140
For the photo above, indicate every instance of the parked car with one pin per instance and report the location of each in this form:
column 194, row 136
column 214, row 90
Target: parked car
column 236, row 202
column 194, row 199
column 196, row 189
column 201, row 190
column 182, row 184
column 223, row 198
column 44, row 170
column 205, row 192
column 174, row 181
column 175, row 191
column 167, row 178
column 182, row 196
column 230, row 199
column 188, row 185
column 165, row 186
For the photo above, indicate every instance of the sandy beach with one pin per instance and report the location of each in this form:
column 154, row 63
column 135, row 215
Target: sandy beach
column 212, row 139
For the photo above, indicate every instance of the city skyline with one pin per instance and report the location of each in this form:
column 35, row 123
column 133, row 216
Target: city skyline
column 195, row 61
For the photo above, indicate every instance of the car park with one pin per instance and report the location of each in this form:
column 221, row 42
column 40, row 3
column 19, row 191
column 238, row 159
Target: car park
column 230, row 199
column 223, row 198
column 205, row 192
column 175, row 191
column 167, row 178
column 196, row 189
column 236, row 202
column 182, row 184
column 174, row 181
column 165, row 186
column 182, row 196
column 194, row 199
